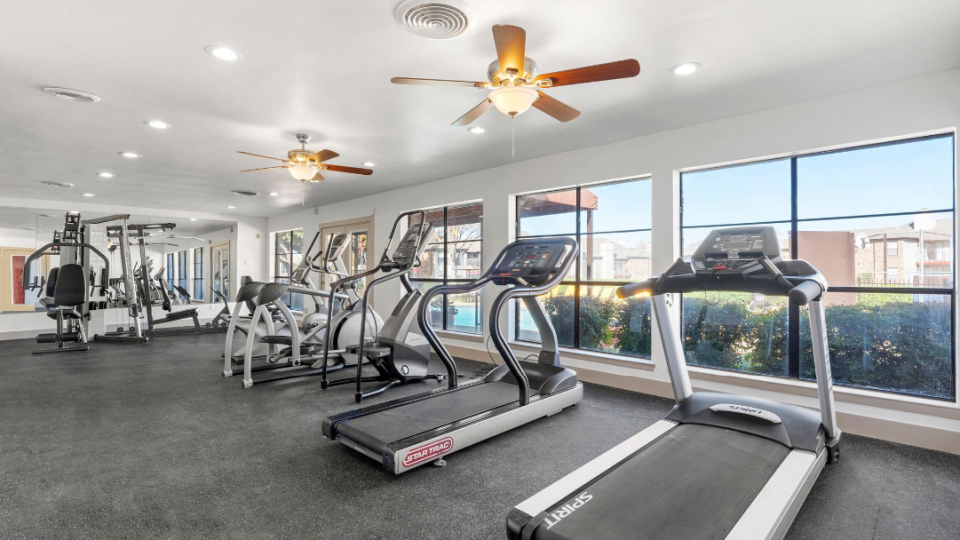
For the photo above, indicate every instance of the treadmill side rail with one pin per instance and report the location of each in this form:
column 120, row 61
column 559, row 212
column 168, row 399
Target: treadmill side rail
column 566, row 486
column 770, row 515
column 469, row 434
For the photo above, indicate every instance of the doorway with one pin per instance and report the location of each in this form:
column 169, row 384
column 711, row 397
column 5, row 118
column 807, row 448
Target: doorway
column 220, row 268
column 359, row 251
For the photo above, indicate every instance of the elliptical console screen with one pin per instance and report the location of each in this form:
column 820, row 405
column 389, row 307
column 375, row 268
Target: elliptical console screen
column 735, row 250
column 337, row 245
column 534, row 261
column 404, row 254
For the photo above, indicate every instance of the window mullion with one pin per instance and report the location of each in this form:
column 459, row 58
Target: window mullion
column 576, row 287
column 793, row 311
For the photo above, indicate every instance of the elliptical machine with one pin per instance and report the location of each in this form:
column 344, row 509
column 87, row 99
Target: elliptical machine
column 290, row 345
column 399, row 352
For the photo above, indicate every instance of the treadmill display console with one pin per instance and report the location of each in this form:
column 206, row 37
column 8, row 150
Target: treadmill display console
column 533, row 261
column 736, row 250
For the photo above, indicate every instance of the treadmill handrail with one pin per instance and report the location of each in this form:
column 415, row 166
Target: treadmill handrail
column 431, row 335
column 771, row 283
column 517, row 292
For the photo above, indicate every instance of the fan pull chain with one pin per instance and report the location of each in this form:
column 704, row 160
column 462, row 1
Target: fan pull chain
column 303, row 196
column 513, row 135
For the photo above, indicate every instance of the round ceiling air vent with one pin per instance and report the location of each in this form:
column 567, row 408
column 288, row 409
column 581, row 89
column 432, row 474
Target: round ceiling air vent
column 58, row 184
column 435, row 20
column 245, row 193
column 72, row 95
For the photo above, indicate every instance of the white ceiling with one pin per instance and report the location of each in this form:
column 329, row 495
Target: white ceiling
column 38, row 222
column 324, row 67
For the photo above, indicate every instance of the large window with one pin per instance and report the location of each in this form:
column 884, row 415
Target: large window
column 288, row 252
column 877, row 221
column 611, row 224
column 171, row 271
column 182, row 269
column 454, row 255
column 198, row 274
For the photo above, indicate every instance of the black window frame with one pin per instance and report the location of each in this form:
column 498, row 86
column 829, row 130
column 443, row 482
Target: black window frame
column 446, row 263
column 577, row 282
column 182, row 266
column 198, row 293
column 288, row 297
column 793, row 313
column 171, row 276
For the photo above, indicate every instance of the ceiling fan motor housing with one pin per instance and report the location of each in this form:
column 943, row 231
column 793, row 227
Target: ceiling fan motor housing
column 498, row 78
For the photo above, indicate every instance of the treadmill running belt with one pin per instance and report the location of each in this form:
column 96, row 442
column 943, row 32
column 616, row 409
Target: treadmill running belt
column 692, row 484
column 375, row 431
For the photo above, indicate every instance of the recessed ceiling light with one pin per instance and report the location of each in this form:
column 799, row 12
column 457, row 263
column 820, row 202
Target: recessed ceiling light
column 130, row 155
column 193, row 219
column 106, row 175
column 158, row 124
column 369, row 164
column 274, row 194
column 685, row 69
column 88, row 195
column 223, row 53
column 477, row 130
column 232, row 207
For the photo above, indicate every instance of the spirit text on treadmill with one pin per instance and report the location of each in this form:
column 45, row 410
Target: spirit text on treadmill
column 427, row 451
column 567, row 509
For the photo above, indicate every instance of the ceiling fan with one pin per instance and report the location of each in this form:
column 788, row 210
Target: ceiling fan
column 174, row 237
column 306, row 165
column 516, row 82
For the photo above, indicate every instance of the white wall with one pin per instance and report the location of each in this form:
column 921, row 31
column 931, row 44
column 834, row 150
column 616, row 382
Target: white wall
column 906, row 108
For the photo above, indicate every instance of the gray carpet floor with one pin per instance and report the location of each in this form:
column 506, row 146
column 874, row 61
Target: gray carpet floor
column 150, row 441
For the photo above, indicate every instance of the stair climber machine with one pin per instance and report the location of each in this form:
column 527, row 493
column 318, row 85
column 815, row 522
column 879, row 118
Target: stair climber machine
column 424, row 428
column 72, row 289
column 720, row 466
column 301, row 350
column 397, row 350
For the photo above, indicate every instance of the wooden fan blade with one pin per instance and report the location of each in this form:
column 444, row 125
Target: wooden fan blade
column 439, row 82
column 258, row 155
column 555, row 108
column 352, row 170
column 323, row 155
column 317, row 177
column 266, row 168
column 474, row 113
column 511, row 43
column 600, row 72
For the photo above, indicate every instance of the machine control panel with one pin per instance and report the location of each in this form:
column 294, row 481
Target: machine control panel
column 534, row 261
column 337, row 244
column 736, row 250
column 407, row 251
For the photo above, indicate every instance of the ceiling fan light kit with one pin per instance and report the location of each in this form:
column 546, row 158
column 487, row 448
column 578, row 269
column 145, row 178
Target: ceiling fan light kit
column 513, row 100
column 516, row 81
column 305, row 165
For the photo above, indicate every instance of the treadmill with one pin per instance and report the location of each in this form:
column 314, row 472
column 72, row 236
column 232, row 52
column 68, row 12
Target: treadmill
column 409, row 432
column 720, row 466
